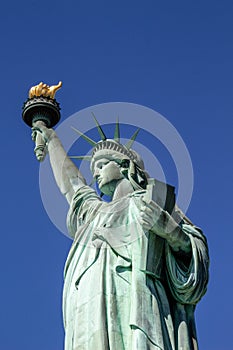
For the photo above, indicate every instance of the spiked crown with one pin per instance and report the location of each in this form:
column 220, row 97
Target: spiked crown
column 107, row 147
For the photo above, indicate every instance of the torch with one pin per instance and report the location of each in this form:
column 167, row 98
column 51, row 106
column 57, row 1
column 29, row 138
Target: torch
column 41, row 108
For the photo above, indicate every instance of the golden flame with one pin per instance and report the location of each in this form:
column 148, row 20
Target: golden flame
column 44, row 90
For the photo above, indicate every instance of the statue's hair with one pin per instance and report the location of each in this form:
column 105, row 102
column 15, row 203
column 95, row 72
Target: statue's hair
column 133, row 171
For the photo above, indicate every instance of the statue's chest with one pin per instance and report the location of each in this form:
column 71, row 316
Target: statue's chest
column 115, row 214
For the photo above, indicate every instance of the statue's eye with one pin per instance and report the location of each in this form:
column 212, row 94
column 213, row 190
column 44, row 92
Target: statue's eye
column 101, row 165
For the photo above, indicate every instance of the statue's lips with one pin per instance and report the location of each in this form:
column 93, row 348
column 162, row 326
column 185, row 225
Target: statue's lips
column 99, row 180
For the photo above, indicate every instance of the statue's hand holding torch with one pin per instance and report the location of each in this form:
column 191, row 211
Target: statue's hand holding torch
column 41, row 135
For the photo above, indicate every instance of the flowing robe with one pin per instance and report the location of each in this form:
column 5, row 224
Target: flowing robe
column 125, row 288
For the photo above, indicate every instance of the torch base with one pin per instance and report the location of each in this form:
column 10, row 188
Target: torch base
column 41, row 108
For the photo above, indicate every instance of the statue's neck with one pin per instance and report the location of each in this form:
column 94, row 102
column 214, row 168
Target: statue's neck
column 123, row 188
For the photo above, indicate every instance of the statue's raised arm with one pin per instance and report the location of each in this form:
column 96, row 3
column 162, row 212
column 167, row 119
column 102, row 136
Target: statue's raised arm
column 66, row 174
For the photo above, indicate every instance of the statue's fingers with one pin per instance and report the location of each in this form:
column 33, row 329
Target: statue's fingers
column 149, row 206
column 36, row 129
column 153, row 204
column 145, row 224
column 148, row 210
column 40, row 128
column 154, row 207
column 146, row 217
column 33, row 135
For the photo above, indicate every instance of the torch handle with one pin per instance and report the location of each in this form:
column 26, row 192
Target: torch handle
column 40, row 146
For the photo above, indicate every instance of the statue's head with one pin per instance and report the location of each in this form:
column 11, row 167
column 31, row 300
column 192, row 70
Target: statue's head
column 111, row 162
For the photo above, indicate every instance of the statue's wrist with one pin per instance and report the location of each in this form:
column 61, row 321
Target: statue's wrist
column 53, row 141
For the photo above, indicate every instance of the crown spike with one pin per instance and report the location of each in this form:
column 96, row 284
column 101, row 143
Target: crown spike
column 93, row 143
column 117, row 131
column 88, row 158
column 100, row 130
column 132, row 139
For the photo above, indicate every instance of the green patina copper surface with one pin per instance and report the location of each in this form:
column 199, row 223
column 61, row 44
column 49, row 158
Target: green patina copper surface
column 136, row 268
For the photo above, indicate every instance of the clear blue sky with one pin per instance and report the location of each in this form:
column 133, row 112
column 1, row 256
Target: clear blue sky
column 175, row 57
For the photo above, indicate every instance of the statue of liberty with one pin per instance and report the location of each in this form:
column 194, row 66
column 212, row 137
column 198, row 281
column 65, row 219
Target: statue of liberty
column 136, row 268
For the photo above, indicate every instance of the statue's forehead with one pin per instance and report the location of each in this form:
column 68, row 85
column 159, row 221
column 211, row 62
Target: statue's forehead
column 100, row 161
column 103, row 158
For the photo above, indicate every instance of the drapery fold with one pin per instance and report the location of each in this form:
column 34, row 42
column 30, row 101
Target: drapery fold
column 125, row 289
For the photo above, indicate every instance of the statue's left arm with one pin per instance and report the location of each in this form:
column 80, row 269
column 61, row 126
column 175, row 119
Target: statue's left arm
column 186, row 252
column 155, row 219
column 188, row 278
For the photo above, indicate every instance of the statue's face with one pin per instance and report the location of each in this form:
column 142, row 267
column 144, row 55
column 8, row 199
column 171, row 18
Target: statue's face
column 107, row 173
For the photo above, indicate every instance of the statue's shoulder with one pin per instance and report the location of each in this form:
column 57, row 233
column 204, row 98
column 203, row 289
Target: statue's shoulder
column 83, row 194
